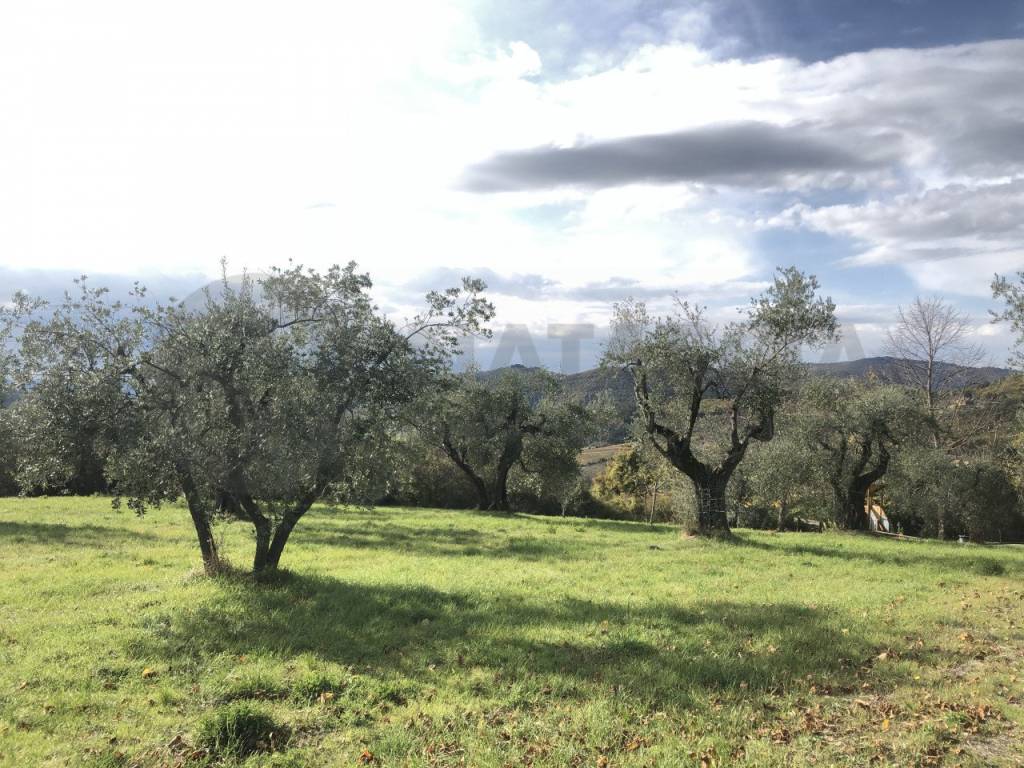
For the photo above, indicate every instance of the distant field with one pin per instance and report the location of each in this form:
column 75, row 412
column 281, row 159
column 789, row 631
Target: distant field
column 593, row 460
column 427, row 638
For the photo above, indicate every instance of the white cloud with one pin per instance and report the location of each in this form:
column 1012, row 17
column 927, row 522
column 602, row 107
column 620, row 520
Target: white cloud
column 948, row 239
column 138, row 138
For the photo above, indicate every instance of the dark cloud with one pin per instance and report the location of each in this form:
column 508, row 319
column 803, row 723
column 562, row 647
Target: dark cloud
column 748, row 154
column 992, row 143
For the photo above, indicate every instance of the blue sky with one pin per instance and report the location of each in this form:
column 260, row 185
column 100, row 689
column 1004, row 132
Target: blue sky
column 572, row 153
column 811, row 30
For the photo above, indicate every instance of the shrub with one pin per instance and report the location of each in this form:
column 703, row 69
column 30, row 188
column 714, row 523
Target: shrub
column 239, row 730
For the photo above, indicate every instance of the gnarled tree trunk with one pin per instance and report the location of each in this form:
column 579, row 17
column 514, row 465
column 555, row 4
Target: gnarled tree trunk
column 850, row 508
column 458, row 457
column 851, row 498
column 709, row 491
column 511, row 454
column 288, row 523
column 263, row 533
column 710, row 481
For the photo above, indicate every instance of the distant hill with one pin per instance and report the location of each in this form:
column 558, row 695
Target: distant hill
column 893, row 371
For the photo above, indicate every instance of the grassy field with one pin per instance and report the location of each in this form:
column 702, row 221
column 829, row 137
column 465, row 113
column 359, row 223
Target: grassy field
column 419, row 637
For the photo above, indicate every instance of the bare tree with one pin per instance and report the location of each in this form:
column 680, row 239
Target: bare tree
column 932, row 344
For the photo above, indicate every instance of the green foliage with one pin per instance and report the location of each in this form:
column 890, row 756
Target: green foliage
column 936, row 495
column 239, row 730
column 276, row 393
column 1012, row 296
column 849, row 432
column 8, row 454
column 13, row 315
column 780, row 482
column 515, row 427
column 62, row 437
column 703, row 392
column 637, row 482
column 425, row 477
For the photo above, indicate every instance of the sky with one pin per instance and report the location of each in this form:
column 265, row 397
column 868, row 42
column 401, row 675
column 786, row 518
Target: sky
column 571, row 153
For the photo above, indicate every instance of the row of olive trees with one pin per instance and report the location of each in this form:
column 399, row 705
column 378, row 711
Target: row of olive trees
column 292, row 388
column 834, row 440
column 704, row 394
column 843, row 437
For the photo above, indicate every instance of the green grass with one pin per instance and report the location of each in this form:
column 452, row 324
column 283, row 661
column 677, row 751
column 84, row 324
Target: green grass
column 421, row 637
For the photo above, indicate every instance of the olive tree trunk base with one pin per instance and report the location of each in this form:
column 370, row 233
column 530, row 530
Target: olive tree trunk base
column 712, row 519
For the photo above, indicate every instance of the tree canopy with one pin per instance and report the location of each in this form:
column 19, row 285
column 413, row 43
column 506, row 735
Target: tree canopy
column 852, row 430
column 275, row 393
column 517, row 420
column 705, row 392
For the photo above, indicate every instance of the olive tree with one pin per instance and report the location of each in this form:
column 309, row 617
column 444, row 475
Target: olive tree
column 274, row 394
column 7, row 458
column 936, row 495
column 704, row 392
column 781, row 479
column 14, row 312
column 60, row 423
column 515, row 420
column 853, row 430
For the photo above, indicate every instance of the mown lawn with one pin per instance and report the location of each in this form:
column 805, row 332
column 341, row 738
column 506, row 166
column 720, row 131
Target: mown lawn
column 420, row 637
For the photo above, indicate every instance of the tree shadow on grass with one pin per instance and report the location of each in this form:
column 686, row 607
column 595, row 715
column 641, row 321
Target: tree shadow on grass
column 97, row 536
column 387, row 530
column 658, row 654
column 612, row 526
column 889, row 552
column 392, row 536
